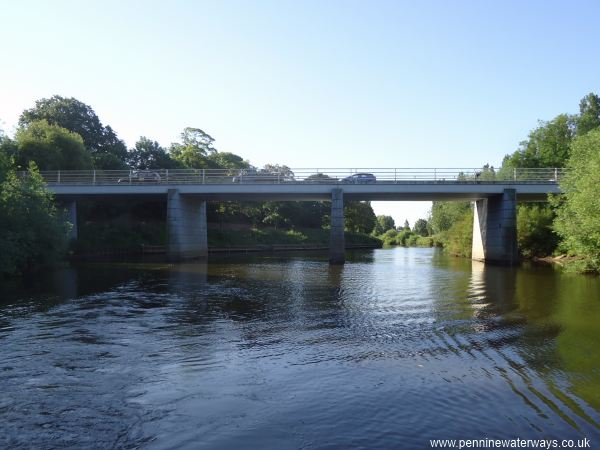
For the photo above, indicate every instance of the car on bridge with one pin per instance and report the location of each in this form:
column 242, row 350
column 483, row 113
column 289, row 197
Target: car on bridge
column 360, row 178
column 141, row 176
column 258, row 176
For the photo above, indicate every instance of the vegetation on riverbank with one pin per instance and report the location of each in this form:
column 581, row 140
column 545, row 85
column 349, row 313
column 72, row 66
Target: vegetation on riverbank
column 97, row 238
column 568, row 224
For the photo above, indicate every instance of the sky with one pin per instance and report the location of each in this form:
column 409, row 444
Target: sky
column 352, row 84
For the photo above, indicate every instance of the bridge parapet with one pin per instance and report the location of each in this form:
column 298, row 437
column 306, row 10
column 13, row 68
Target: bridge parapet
column 342, row 176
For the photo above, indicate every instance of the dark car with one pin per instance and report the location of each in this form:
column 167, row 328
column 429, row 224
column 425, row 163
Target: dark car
column 360, row 178
column 141, row 176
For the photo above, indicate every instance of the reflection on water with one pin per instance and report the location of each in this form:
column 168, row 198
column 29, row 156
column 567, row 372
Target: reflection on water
column 397, row 347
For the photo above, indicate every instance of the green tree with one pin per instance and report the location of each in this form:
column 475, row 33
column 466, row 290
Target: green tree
column 194, row 149
column 578, row 216
column 227, row 160
column 406, row 225
column 148, row 154
column 546, row 146
column 107, row 150
column 31, row 232
column 273, row 214
column 8, row 149
column 359, row 217
column 589, row 114
column 421, row 227
column 51, row 147
column 382, row 224
column 445, row 214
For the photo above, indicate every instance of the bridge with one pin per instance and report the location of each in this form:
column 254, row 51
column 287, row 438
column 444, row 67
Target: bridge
column 495, row 195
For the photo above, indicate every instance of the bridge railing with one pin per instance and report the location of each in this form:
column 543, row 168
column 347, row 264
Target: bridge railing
column 304, row 175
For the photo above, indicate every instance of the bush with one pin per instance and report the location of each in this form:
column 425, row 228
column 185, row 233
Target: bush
column 535, row 235
column 425, row 241
column 458, row 240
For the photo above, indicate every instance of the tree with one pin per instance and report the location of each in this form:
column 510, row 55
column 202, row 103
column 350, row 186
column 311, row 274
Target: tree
column 8, row 149
column 589, row 114
column 284, row 172
column 148, row 154
column 547, row 146
column 31, row 232
column 445, row 214
column 194, row 148
column 273, row 215
column 359, row 217
column 578, row 215
column 227, row 160
column 406, row 225
column 383, row 224
column 51, row 147
column 421, row 227
column 107, row 150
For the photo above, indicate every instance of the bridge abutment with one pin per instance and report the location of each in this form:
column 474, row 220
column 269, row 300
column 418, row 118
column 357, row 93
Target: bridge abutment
column 186, row 226
column 495, row 229
column 337, row 244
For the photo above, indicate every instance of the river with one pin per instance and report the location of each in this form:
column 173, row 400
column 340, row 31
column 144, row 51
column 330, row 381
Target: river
column 395, row 348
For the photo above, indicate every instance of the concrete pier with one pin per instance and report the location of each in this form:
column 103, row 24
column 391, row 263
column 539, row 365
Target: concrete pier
column 495, row 229
column 337, row 242
column 186, row 226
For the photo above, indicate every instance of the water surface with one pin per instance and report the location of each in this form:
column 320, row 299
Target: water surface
column 397, row 347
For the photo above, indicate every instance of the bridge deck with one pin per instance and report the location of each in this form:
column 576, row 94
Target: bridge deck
column 309, row 184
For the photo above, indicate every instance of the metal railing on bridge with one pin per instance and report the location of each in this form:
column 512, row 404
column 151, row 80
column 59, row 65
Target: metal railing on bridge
column 318, row 176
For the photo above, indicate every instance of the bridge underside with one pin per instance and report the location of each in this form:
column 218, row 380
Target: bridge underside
column 494, row 226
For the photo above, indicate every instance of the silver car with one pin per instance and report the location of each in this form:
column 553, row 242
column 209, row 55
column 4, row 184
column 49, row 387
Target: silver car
column 141, row 176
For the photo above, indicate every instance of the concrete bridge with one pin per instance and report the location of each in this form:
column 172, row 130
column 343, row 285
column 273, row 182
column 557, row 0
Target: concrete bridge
column 495, row 196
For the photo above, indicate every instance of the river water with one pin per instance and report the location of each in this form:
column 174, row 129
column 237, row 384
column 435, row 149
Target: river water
column 395, row 348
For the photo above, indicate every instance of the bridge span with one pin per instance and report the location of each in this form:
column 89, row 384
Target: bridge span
column 494, row 194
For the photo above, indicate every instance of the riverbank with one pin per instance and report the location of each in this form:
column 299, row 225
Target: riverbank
column 151, row 239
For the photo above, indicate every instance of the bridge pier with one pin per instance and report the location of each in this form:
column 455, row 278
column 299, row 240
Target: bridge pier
column 69, row 215
column 337, row 244
column 495, row 229
column 186, row 226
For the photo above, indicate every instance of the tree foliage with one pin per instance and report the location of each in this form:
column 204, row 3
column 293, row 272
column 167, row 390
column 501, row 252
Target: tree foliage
column 227, row 160
column 578, row 215
column 535, row 235
column 359, row 217
column 107, row 150
column 51, row 147
column 421, row 227
column 445, row 214
column 148, row 154
column 193, row 150
column 589, row 114
column 31, row 232
column 546, row 146
column 383, row 224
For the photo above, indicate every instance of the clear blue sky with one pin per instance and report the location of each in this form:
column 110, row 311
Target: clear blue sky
column 310, row 83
